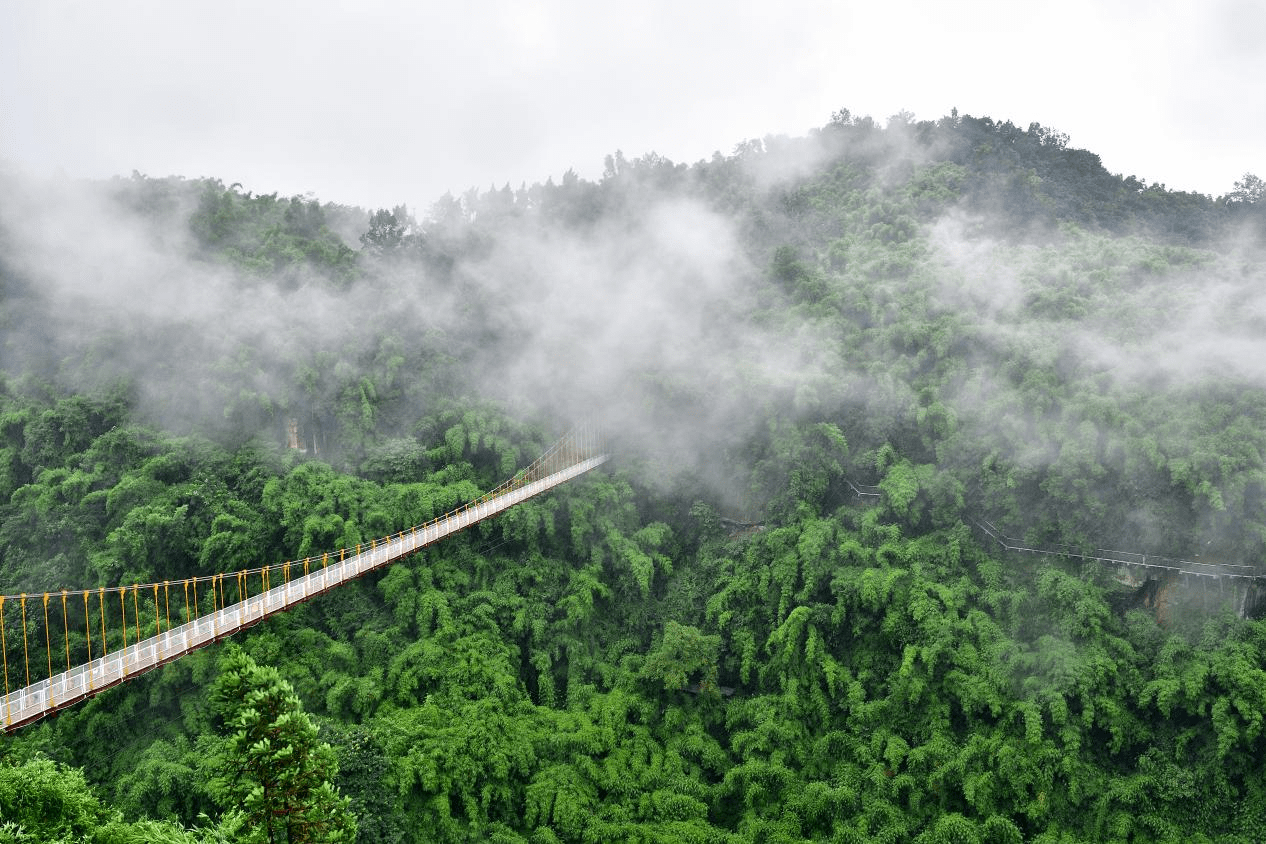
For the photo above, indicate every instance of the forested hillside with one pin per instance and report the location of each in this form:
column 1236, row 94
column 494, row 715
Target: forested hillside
column 712, row 638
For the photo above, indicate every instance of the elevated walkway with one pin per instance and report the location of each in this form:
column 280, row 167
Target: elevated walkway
column 569, row 458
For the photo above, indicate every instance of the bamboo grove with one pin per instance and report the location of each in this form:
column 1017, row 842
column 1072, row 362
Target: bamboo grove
column 716, row 637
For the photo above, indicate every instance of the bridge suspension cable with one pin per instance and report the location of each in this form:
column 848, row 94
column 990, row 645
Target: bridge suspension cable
column 159, row 622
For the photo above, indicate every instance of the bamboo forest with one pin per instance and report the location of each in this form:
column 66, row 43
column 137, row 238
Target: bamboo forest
column 930, row 504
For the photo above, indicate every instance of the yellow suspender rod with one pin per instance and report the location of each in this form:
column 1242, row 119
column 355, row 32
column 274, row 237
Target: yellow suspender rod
column 48, row 639
column 48, row 652
column 88, row 626
column 4, row 649
column 66, row 629
column 105, row 643
column 123, row 609
column 26, row 656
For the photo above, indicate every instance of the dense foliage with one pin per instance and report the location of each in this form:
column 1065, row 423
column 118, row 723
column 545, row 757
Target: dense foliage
column 715, row 639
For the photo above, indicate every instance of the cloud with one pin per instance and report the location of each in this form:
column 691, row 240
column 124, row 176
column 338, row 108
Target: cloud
column 641, row 320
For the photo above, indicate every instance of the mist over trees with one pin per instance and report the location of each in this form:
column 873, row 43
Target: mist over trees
column 716, row 639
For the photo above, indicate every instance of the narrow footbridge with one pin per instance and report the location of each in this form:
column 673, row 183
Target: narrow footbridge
column 1240, row 584
column 1124, row 558
column 116, row 633
column 1243, row 586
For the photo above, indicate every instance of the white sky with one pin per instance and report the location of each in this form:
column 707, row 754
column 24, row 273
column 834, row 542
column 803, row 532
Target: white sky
column 377, row 103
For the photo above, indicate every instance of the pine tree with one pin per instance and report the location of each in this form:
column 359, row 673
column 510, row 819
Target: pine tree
column 271, row 766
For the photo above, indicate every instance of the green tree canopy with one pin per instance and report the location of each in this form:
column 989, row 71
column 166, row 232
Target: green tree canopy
column 271, row 764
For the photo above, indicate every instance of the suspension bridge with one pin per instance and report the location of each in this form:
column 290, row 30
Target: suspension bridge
column 114, row 633
column 1240, row 585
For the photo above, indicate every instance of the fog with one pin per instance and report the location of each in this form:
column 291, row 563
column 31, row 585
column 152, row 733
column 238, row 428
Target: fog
column 1130, row 314
column 640, row 321
column 645, row 302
